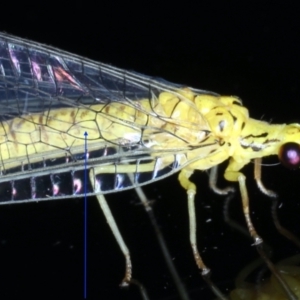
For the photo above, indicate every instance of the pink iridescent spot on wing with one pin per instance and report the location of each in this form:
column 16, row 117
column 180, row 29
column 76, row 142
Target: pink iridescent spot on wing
column 97, row 185
column 77, row 185
column 62, row 75
column 15, row 61
column 55, row 189
column 36, row 70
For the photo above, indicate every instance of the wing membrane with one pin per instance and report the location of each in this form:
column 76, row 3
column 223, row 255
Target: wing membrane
column 37, row 82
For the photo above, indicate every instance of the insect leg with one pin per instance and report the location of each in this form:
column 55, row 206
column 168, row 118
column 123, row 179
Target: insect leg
column 282, row 230
column 286, row 233
column 257, row 177
column 213, row 176
column 258, row 242
column 113, row 226
column 245, row 200
column 191, row 192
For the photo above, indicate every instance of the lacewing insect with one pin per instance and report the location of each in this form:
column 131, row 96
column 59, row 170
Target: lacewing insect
column 140, row 130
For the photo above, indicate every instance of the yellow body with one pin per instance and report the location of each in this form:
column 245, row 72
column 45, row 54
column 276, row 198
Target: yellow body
column 205, row 129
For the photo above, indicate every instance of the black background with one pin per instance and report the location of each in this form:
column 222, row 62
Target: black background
column 249, row 50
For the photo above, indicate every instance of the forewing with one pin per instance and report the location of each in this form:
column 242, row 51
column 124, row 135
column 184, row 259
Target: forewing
column 38, row 79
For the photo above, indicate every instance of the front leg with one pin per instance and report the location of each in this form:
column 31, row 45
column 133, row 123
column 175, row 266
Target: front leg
column 190, row 188
column 232, row 174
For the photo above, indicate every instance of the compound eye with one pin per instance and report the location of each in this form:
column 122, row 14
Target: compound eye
column 289, row 155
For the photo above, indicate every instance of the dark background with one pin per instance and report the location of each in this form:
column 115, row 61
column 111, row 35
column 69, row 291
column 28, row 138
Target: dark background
column 234, row 49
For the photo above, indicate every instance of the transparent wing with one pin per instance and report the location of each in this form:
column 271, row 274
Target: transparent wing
column 42, row 151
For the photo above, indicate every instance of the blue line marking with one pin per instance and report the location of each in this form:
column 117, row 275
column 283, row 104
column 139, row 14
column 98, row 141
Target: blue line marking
column 85, row 220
